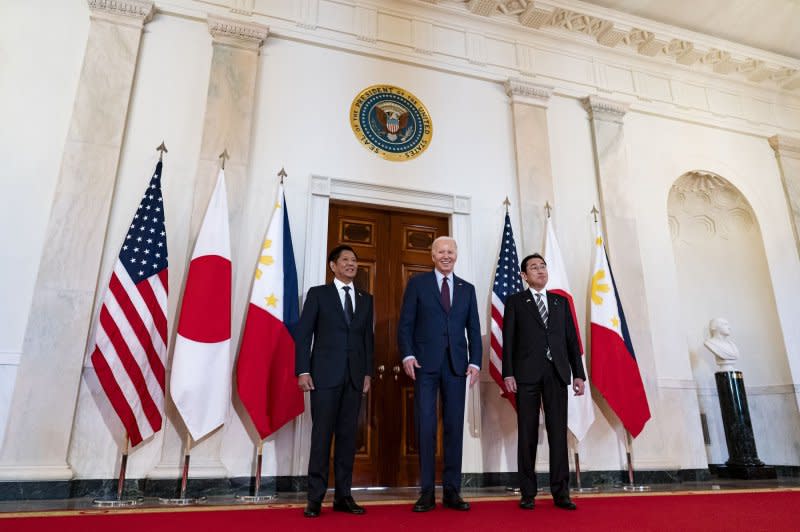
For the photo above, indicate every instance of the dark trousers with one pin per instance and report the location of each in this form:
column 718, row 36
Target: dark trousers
column 333, row 411
column 552, row 394
column 427, row 387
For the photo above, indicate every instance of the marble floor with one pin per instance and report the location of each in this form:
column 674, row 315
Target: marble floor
column 371, row 496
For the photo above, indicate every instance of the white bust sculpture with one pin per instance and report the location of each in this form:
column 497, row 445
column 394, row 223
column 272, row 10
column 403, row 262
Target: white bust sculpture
column 721, row 345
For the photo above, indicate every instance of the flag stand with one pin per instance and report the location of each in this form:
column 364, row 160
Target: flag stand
column 182, row 499
column 579, row 488
column 631, row 485
column 256, row 498
column 119, row 502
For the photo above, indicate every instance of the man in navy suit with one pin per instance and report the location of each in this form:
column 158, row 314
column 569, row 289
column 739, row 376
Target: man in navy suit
column 540, row 350
column 438, row 308
column 338, row 317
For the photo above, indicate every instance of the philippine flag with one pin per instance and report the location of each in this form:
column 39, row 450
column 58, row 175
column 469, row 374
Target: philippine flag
column 265, row 376
column 615, row 372
column 201, row 363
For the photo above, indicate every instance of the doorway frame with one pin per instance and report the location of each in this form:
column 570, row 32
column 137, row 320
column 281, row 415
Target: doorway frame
column 322, row 189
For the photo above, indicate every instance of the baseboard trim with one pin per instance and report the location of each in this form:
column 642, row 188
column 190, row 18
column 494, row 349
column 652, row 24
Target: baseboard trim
column 148, row 487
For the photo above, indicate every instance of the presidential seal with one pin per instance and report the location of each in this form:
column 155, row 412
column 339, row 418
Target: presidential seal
column 391, row 122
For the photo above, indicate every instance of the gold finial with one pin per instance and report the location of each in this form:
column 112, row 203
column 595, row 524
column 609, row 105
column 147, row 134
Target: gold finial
column 507, row 204
column 224, row 156
column 594, row 212
column 282, row 174
column 162, row 149
column 547, row 208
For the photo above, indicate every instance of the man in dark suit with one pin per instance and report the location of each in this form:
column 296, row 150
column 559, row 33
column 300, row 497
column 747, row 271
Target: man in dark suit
column 338, row 317
column 438, row 308
column 540, row 348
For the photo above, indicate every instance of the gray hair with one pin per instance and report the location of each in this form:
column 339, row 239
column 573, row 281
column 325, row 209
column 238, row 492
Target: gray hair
column 442, row 239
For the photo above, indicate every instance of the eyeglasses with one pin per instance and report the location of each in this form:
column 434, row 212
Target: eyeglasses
column 538, row 268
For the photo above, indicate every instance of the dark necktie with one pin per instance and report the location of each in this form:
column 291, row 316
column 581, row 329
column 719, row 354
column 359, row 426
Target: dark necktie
column 445, row 295
column 348, row 305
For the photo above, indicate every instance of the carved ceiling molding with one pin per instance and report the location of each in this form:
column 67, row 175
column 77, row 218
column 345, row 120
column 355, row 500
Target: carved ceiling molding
column 246, row 35
column 129, row 12
column 604, row 109
column 526, row 92
column 539, row 15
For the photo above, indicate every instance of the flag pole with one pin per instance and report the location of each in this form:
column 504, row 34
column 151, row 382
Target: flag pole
column 162, row 149
column 631, row 485
column 182, row 499
column 510, row 488
column 119, row 502
column 579, row 488
column 256, row 497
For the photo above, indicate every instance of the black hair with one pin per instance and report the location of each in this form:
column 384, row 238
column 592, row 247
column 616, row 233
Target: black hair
column 524, row 262
column 337, row 252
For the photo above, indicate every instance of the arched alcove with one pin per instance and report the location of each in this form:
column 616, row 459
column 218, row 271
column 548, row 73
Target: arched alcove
column 723, row 272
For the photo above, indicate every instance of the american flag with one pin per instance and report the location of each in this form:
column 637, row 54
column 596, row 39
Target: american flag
column 507, row 281
column 131, row 340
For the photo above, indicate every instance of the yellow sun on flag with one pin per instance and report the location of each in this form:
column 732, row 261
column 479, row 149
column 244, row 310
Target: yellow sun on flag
column 272, row 301
column 265, row 260
column 598, row 286
column 598, row 241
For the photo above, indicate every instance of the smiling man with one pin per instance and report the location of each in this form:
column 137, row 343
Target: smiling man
column 337, row 319
column 438, row 308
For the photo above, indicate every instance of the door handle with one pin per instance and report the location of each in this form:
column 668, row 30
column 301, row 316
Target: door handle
column 396, row 371
column 381, row 369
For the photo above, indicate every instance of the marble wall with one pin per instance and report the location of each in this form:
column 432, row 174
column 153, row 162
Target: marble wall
column 299, row 121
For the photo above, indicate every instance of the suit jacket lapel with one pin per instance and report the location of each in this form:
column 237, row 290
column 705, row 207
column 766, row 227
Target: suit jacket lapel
column 337, row 301
column 437, row 292
column 530, row 304
column 359, row 305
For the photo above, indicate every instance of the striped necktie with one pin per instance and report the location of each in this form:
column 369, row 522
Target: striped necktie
column 542, row 308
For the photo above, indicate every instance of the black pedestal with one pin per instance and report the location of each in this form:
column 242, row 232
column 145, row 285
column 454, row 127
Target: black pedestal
column 743, row 459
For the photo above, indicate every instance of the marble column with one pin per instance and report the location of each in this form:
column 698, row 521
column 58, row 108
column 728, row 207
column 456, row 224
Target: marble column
column 534, row 174
column 617, row 207
column 743, row 461
column 230, row 106
column 42, row 409
column 787, row 152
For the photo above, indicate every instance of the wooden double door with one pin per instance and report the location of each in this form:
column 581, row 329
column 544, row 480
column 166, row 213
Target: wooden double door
column 392, row 246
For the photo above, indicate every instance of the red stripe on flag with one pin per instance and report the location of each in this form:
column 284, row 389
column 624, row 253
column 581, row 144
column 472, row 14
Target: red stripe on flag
column 159, row 319
column 498, row 378
column 116, row 397
column 163, row 275
column 139, row 328
column 265, row 376
column 615, row 374
column 131, row 368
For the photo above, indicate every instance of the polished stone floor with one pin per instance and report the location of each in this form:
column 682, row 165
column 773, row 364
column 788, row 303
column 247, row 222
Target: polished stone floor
column 408, row 495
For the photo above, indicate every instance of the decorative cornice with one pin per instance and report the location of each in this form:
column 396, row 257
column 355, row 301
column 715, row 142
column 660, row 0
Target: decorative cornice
column 523, row 91
column 785, row 146
column 128, row 12
column 604, row 109
column 231, row 32
column 650, row 40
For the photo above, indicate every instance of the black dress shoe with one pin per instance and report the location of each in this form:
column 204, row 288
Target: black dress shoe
column 566, row 504
column 527, row 503
column 347, row 504
column 312, row 509
column 453, row 500
column 425, row 503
